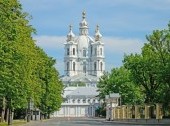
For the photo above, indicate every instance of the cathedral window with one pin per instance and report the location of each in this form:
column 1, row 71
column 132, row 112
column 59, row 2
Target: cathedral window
column 84, row 67
column 68, row 51
column 73, row 51
column 101, row 66
column 95, row 66
column 101, row 51
column 95, row 53
column 91, row 50
column 67, row 66
column 74, row 66
column 84, row 100
column 84, row 53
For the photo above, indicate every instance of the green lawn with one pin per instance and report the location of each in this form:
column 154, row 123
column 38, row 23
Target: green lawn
column 14, row 123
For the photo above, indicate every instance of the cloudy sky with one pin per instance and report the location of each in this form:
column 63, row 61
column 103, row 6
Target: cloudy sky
column 123, row 24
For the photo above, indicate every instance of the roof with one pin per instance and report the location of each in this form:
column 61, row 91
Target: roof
column 83, row 42
column 80, row 78
column 68, row 90
column 112, row 95
column 83, row 92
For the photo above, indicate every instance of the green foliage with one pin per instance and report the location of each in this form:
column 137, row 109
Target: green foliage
column 150, row 69
column 142, row 76
column 25, row 70
column 51, row 99
column 118, row 81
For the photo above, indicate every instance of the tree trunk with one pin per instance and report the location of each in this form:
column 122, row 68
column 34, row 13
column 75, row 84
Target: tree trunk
column 6, row 114
column 3, row 110
column 28, row 112
column 41, row 116
column 31, row 115
column 2, row 115
column 10, row 117
column 45, row 116
column 48, row 116
column 35, row 115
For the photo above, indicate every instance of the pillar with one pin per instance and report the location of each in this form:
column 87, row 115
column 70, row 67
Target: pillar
column 137, row 114
column 158, row 111
column 129, row 112
column 147, row 111
column 123, row 112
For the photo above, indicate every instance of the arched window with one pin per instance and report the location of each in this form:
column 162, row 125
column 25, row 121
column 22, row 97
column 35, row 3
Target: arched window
column 78, row 100
column 101, row 53
column 68, row 51
column 101, row 66
column 84, row 53
column 91, row 50
column 74, row 66
column 84, row 67
column 95, row 66
column 73, row 51
column 84, row 100
column 95, row 53
column 67, row 66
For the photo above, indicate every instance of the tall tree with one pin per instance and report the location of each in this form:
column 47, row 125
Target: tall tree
column 119, row 81
column 21, row 61
column 51, row 95
column 150, row 69
column 159, row 40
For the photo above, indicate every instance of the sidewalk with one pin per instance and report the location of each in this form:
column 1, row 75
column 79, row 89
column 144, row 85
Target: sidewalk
column 34, row 123
column 141, row 121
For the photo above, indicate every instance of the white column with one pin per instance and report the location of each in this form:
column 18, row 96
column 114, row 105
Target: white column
column 92, row 111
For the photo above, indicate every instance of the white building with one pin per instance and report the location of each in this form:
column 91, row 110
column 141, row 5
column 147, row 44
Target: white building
column 84, row 63
column 84, row 56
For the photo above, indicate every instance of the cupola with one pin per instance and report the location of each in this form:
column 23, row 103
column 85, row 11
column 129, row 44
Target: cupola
column 83, row 25
column 97, row 36
column 70, row 35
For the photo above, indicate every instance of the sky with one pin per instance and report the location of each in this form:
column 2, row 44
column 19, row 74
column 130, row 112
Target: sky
column 124, row 24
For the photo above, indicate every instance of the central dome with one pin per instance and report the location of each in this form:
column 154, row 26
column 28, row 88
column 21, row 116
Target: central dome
column 83, row 42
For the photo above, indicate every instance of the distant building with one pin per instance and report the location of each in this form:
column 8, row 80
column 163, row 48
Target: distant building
column 83, row 64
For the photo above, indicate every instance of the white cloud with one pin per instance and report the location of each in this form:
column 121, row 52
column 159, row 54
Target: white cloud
column 50, row 42
column 122, row 45
column 112, row 44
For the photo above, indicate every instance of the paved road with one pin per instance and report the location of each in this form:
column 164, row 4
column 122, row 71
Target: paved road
column 78, row 122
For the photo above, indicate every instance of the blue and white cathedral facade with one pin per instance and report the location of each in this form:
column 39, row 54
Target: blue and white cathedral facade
column 83, row 63
column 84, row 55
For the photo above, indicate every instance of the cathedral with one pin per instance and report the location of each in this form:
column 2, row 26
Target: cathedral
column 84, row 56
column 83, row 66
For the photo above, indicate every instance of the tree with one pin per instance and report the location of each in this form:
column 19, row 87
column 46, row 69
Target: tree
column 119, row 81
column 159, row 40
column 15, row 40
column 143, row 71
column 150, row 69
column 50, row 98
column 21, row 76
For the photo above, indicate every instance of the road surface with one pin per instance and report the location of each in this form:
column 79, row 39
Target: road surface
column 79, row 122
